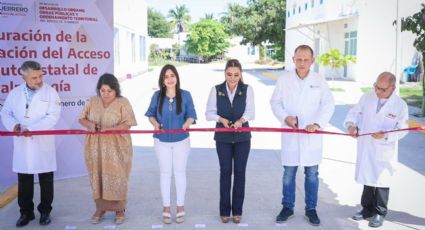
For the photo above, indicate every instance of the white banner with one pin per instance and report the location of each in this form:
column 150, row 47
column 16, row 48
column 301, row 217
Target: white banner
column 73, row 41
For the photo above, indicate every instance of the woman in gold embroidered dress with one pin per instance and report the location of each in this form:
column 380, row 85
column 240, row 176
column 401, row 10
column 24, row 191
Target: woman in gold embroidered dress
column 108, row 157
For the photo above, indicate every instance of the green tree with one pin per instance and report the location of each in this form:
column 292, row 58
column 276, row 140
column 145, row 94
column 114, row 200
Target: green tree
column 180, row 18
column 262, row 52
column 207, row 39
column 176, row 49
column 260, row 21
column 335, row 59
column 416, row 25
column 158, row 27
column 154, row 51
column 231, row 16
column 279, row 53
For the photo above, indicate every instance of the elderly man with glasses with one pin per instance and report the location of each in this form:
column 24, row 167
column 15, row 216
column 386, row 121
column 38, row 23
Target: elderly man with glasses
column 377, row 112
column 33, row 106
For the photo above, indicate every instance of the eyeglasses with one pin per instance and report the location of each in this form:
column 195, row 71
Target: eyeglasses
column 381, row 89
column 170, row 104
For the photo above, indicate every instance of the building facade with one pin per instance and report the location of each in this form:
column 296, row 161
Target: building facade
column 130, row 38
column 366, row 29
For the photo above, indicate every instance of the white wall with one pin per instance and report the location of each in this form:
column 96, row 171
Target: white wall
column 376, row 40
column 163, row 43
column 332, row 36
column 131, row 35
column 376, row 36
column 305, row 35
column 240, row 52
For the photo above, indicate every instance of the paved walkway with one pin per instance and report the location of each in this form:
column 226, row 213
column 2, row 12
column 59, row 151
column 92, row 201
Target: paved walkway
column 339, row 195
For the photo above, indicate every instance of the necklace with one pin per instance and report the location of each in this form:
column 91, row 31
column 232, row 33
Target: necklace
column 170, row 104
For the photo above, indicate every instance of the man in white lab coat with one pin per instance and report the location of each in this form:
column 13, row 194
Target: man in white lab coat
column 32, row 106
column 301, row 99
column 377, row 111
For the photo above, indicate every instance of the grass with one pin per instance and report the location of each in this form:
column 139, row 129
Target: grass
column 337, row 90
column 269, row 61
column 413, row 100
column 411, row 94
column 410, row 91
column 161, row 62
column 366, row 89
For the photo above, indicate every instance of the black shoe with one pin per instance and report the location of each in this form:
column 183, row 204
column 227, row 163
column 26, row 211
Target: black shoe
column 45, row 219
column 311, row 216
column 284, row 215
column 362, row 215
column 376, row 221
column 24, row 219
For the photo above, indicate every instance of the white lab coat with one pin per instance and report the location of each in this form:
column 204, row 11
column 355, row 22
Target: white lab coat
column 36, row 154
column 377, row 158
column 312, row 102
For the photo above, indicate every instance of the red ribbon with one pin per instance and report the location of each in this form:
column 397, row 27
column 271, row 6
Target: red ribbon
column 243, row 129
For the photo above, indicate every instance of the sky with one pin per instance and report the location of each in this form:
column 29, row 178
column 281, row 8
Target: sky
column 197, row 8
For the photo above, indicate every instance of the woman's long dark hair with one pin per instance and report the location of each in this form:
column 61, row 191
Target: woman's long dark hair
column 163, row 88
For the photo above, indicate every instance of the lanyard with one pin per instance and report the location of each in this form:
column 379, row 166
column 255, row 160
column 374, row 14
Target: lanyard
column 380, row 105
column 27, row 101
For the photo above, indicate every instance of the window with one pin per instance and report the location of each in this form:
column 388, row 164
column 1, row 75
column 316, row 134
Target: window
column 251, row 50
column 350, row 40
column 116, row 46
column 127, row 50
column 133, row 48
column 305, row 6
column 321, row 2
column 142, row 54
column 289, row 14
column 270, row 51
column 312, row 3
column 299, row 9
column 293, row 11
column 353, row 43
column 350, row 46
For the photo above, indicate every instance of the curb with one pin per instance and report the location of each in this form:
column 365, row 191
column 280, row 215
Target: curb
column 413, row 123
column 269, row 75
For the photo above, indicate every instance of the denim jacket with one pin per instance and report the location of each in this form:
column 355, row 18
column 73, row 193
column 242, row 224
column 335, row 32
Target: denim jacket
column 169, row 118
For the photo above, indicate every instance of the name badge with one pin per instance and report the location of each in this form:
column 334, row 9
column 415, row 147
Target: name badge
column 391, row 116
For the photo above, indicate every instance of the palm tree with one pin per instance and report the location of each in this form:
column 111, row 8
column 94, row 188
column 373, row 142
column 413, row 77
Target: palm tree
column 179, row 18
column 209, row 16
column 233, row 13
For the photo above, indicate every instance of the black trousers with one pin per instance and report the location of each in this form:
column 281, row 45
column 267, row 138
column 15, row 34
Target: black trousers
column 375, row 200
column 233, row 158
column 26, row 192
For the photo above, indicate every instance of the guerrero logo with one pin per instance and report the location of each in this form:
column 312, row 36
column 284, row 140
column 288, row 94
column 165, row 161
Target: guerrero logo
column 12, row 9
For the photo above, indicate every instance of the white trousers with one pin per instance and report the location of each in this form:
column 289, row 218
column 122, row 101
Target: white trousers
column 172, row 156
